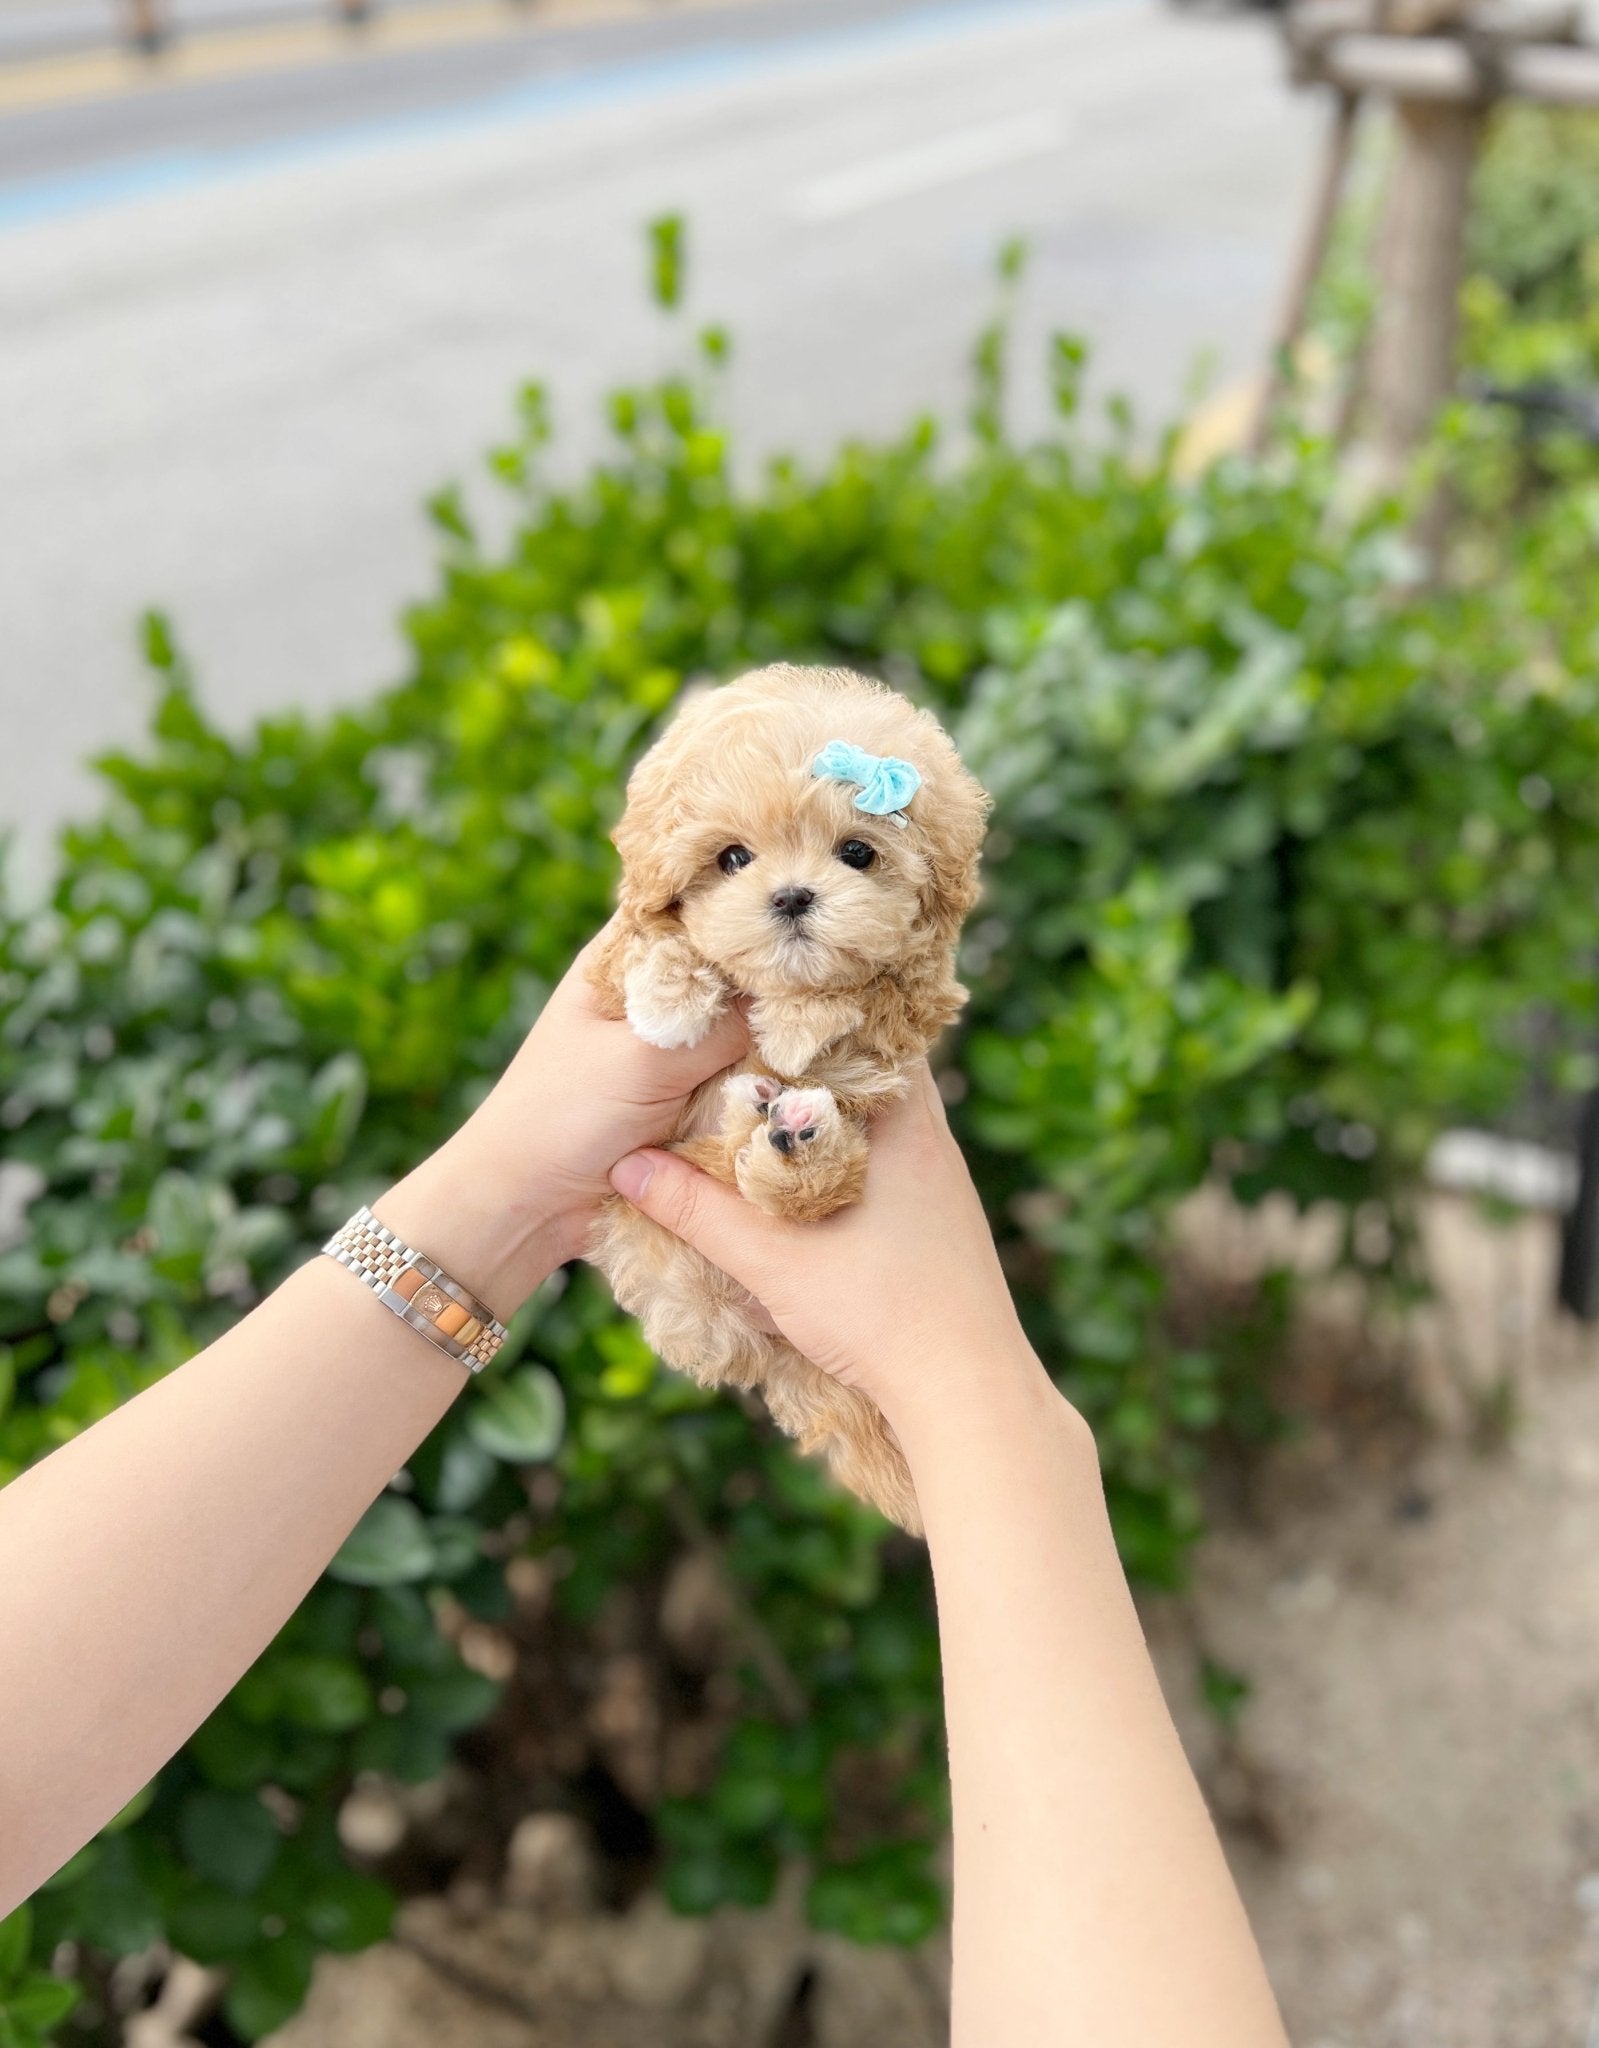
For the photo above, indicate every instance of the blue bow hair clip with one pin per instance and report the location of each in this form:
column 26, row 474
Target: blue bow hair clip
column 886, row 784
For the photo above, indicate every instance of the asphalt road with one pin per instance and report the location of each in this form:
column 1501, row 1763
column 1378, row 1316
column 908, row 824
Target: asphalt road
column 249, row 324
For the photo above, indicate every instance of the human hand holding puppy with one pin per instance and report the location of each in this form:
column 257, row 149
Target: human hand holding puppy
column 899, row 1294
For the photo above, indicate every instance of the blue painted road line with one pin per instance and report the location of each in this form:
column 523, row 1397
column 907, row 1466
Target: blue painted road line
column 154, row 174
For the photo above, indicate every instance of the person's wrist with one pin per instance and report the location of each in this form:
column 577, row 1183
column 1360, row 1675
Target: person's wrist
column 489, row 1225
column 996, row 1385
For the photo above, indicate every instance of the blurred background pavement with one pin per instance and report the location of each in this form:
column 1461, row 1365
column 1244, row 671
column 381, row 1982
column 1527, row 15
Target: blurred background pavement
column 254, row 316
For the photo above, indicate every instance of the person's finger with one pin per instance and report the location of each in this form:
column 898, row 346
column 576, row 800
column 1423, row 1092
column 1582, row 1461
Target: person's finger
column 761, row 1318
column 898, row 1129
column 658, row 1075
column 714, row 1219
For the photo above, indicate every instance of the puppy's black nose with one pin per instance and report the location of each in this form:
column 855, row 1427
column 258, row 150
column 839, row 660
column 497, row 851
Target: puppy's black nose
column 792, row 901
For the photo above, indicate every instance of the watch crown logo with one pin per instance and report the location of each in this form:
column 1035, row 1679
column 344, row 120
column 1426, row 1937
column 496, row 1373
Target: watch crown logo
column 430, row 1301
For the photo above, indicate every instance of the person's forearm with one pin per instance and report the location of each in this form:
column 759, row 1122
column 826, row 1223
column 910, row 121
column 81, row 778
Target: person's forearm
column 1092, row 1901
column 149, row 1561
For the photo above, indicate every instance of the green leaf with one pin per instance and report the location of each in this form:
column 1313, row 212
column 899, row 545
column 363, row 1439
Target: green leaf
column 157, row 646
column 408, row 1627
column 309, row 1763
column 453, row 1700
column 137, row 1806
column 666, row 259
column 1224, row 1691
column 883, row 1896
column 724, row 1874
column 182, row 1216
column 389, row 1546
column 483, row 1591
column 228, row 1838
column 113, row 1897
column 338, row 1097
column 16, row 1935
column 328, row 1694
column 41, row 2003
column 346, row 1911
column 457, row 1545
column 269, row 1986
column 402, row 1746
column 466, row 1472
column 448, row 513
column 519, row 1418
column 213, row 1926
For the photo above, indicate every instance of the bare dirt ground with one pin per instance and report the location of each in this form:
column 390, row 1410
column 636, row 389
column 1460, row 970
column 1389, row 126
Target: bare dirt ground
column 1409, row 1790
column 1414, row 1780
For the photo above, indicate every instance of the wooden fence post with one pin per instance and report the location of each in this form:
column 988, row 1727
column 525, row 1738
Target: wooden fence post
column 1420, row 263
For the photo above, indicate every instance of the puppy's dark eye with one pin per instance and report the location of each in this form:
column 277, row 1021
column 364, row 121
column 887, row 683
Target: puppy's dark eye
column 855, row 853
column 732, row 858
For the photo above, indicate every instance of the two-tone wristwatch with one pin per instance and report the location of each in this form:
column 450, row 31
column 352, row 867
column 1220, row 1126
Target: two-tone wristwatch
column 418, row 1290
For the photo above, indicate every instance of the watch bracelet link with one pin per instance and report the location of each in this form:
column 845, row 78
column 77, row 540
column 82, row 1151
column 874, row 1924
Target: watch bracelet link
column 418, row 1290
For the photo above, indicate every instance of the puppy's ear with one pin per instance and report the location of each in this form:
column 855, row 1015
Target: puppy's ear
column 953, row 822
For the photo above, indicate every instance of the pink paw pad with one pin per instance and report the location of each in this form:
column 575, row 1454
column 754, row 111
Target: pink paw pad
column 796, row 1116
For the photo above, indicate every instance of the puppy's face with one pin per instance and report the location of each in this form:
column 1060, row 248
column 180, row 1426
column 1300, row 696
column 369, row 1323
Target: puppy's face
column 801, row 893
column 772, row 873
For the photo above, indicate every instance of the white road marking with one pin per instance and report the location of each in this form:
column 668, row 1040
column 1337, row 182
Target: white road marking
column 962, row 154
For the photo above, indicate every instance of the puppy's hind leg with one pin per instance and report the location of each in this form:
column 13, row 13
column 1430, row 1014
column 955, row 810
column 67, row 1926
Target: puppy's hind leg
column 847, row 1429
column 693, row 1316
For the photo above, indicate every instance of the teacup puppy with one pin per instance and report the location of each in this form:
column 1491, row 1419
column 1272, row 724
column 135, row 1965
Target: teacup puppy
column 809, row 840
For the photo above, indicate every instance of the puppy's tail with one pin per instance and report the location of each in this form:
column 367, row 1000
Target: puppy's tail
column 848, row 1430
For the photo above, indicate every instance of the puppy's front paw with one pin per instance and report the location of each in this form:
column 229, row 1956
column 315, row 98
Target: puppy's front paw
column 749, row 1091
column 746, row 1100
column 672, row 998
column 806, row 1160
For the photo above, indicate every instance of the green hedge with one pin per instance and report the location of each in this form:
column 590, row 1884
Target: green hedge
column 1534, row 230
column 1283, row 855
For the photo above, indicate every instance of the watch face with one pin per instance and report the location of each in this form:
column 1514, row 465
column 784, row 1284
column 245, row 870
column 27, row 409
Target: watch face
column 430, row 1301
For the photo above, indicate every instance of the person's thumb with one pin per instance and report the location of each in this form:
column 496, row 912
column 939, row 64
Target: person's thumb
column 715, row 1219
